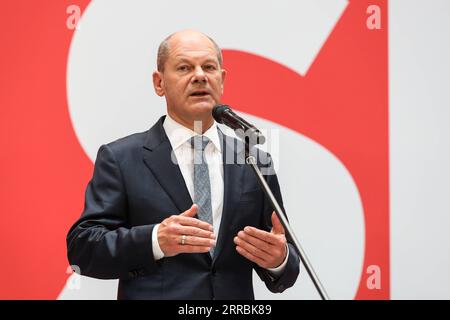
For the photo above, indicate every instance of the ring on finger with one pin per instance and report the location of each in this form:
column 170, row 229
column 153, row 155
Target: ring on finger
column 183, row 239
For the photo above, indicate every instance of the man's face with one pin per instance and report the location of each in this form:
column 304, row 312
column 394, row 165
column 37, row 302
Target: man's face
column 192, row 80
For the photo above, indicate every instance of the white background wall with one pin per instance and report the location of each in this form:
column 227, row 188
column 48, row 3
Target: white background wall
column 419, row 75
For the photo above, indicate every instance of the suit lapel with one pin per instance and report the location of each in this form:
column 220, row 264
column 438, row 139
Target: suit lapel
column 157, row 153
column 233, row 169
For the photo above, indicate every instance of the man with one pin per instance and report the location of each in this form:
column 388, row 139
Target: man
column 165, row 211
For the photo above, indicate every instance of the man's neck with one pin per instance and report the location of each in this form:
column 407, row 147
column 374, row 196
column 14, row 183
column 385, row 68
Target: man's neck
column 198, row 126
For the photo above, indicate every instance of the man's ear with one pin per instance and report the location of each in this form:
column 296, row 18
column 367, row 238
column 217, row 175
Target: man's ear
column 158, row 83
column 224, row 74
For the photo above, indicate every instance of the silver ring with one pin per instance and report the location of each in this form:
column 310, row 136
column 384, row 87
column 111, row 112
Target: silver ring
column 183, row 239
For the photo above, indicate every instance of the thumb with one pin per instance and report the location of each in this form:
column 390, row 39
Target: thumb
column 192, row 211
column 277, row 227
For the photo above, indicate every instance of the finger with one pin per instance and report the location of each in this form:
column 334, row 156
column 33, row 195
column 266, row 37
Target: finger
column 250, row 256
column 262, row 235
column 264, row 246
column 277, row 227
column 194, row 231
column 196, row 241
column 252, row 249
column 194, row 222
column 192, row 211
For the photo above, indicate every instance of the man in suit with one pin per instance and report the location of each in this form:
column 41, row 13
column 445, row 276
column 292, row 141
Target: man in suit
column 170, row 211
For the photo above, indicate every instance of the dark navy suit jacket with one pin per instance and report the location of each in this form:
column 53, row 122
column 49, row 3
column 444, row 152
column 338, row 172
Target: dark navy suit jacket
column 136, row 185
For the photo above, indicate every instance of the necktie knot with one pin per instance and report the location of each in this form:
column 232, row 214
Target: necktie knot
column 199, row 143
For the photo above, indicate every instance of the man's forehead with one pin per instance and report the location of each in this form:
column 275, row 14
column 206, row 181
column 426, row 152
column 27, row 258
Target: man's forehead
column 191, row 45
column 189, row 36
column 194, row 54
column 184, row 51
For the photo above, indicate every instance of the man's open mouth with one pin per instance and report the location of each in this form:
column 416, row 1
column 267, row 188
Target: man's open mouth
column 199, row 94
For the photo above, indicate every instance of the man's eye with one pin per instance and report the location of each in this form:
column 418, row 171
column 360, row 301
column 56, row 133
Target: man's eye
column 210, row 67
column 183, row 68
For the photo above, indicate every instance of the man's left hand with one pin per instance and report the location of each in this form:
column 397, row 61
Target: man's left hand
column 266, row 249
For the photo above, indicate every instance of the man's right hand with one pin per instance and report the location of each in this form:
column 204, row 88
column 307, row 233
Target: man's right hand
column 199, row 234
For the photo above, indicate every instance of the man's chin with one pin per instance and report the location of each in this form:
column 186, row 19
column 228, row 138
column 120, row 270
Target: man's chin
column 202, row 108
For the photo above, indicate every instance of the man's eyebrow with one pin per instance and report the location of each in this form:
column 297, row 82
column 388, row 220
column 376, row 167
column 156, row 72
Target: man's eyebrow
column 211, row 61
column 181, row 60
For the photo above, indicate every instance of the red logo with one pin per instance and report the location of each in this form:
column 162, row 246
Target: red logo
column 341, row 103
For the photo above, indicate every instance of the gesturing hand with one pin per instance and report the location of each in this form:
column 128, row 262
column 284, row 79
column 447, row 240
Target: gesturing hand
column 197, row 234
column 267, row 249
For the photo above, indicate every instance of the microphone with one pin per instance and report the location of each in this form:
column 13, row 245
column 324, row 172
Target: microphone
column 222, row 113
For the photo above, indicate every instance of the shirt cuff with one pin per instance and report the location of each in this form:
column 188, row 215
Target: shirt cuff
column 278, row 271
column 157, row 252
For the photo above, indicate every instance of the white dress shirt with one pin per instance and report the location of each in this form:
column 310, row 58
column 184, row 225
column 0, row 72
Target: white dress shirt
column 179, row 138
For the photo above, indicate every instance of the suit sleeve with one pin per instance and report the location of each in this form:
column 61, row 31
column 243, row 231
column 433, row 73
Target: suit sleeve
column 291, row 271
column 100, row 243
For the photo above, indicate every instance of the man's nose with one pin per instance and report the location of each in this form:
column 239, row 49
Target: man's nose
column 199, row 75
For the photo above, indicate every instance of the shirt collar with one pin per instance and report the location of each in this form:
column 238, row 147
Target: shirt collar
column 179, row 134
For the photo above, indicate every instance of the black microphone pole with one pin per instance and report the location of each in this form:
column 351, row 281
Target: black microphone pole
column 252, row 138
column 290, row 236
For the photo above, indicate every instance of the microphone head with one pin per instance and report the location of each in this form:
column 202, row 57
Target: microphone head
column 218, row 110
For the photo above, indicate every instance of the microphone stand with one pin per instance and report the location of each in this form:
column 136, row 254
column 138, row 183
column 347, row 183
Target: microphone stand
column 290, row 236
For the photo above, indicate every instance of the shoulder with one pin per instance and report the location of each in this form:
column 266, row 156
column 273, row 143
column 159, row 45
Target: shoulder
column 128, row 143
column 123, row 150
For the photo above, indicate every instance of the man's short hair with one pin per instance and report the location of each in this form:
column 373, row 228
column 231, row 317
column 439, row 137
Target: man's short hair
column 163, row 52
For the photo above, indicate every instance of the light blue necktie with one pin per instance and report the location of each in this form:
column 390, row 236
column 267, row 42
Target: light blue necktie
column 202, row 185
